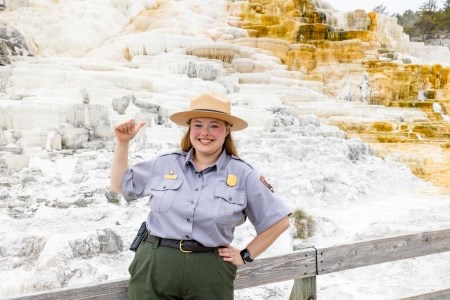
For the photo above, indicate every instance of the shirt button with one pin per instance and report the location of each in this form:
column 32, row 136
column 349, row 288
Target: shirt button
column 192, row 202
column 230, row 198
column 196, row 189
column 188, row 219
column 164, row 187
column 186, row 236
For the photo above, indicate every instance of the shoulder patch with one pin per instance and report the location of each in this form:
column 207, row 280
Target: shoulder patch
column 267, row 185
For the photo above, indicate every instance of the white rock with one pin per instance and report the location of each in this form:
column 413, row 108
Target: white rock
column 54, row 141
column 17, row 162
column 73, row 138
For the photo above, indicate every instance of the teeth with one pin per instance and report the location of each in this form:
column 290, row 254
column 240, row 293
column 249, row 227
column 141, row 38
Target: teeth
column 205, row 141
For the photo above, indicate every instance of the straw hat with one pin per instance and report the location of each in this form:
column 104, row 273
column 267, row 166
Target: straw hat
column 209, row 106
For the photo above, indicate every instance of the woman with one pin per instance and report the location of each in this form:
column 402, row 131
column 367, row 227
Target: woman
column 197, row 197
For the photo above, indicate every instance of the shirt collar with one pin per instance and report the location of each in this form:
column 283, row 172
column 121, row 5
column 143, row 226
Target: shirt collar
column 219, row 163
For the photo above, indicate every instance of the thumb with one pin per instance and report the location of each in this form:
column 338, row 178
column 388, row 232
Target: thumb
column 139, row 126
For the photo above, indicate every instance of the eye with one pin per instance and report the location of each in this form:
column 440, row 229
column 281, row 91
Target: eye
column 198, row 125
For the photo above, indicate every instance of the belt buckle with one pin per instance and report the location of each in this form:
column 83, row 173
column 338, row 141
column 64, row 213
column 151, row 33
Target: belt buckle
column 181, row 248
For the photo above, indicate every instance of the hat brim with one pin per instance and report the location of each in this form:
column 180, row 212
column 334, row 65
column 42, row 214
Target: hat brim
column 182, row 118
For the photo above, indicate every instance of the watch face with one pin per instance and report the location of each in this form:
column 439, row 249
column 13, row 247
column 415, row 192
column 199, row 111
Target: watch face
column 246, row 255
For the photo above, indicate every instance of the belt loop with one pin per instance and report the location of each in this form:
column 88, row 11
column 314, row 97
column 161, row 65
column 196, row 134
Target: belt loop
column 156, row 242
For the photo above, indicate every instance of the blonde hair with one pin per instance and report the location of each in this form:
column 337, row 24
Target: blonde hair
column 228, row 144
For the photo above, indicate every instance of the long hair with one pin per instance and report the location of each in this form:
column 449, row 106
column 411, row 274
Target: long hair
column 228, row 144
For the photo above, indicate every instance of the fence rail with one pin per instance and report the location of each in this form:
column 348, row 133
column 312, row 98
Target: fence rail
column 302, row 265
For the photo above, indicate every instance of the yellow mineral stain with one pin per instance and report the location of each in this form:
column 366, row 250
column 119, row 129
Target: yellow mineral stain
column 300, row 35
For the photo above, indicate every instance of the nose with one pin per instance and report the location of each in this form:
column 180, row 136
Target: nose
column 205, row 129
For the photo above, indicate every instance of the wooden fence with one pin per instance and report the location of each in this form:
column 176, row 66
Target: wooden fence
column 302, row 265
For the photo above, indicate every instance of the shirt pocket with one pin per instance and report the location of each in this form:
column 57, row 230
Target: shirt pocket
column 229, row 204
column 163, row 194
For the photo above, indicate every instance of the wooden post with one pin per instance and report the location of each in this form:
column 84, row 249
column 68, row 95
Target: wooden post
column 304, row 289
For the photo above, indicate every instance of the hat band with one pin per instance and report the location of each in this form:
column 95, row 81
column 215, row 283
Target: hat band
column 212, row 110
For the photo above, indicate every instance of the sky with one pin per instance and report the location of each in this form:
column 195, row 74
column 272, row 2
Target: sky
column 398, row 6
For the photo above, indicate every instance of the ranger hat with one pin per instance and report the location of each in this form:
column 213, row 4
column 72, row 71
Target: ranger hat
column 209, row 105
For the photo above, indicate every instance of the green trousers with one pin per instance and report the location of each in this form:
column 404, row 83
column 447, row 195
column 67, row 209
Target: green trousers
column 162, row 273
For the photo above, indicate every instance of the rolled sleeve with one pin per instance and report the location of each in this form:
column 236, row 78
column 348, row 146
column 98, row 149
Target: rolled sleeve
column 135, row 180
column 264, row 209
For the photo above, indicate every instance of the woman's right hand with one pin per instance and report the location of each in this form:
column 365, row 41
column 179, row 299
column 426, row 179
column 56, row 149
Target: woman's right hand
column 127, row 130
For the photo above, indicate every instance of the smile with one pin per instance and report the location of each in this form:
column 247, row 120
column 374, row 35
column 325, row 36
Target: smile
column 205, row 142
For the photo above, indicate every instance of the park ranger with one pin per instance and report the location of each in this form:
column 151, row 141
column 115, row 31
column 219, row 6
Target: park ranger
column 197, row 196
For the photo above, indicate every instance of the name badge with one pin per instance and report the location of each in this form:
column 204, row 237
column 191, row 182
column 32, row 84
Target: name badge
column 170, row 176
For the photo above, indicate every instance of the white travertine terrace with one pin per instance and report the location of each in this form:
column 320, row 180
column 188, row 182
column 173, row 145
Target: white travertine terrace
column 100, row 61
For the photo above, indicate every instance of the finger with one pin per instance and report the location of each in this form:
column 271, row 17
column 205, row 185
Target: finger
column 119, row 127
column 130, row 125
column 224, row 253
column 123, row 128
column 228, row 259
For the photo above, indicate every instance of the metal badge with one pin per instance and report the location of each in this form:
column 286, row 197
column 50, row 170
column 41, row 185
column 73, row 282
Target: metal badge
column 231, row 180
column 171, row 175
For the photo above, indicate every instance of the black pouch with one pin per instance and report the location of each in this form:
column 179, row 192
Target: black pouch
column 140, row 236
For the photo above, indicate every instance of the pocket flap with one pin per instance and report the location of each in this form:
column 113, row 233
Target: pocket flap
column 163, row 185
column 231, row 195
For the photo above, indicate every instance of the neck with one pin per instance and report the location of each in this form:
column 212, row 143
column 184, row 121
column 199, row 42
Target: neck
column 204, row 161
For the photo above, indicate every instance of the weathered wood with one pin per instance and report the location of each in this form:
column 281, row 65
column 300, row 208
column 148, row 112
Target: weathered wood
column 304, row 289
column 111, row 290
column 338, row 258
column 298, row 264
column 439, row 295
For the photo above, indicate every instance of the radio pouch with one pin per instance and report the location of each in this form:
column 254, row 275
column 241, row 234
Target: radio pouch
column 140, row 236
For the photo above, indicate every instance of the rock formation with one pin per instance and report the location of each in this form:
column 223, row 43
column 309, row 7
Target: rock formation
column 360, row 57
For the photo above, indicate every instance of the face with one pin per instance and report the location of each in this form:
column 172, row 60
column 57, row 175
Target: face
column 208, row 135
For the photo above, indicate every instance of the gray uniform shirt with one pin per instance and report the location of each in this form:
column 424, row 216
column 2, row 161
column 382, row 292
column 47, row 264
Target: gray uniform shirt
column 205, row 206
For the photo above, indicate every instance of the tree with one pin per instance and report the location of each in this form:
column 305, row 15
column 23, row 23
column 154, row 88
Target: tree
column 446, row 4
column 381, row 9
column 444, row 19
column 429, row 7
column 428, row 23
column 408, row 20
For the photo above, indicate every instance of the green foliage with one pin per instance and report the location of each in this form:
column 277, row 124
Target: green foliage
column 304, row 224
column 428, row 22
column 380, row 9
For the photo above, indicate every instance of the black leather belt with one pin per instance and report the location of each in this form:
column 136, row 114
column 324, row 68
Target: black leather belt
column 183, row 245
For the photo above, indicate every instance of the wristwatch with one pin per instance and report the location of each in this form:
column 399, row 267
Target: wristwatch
column 246, row 256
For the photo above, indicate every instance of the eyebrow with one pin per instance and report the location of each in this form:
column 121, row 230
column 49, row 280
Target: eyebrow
column 213, row 121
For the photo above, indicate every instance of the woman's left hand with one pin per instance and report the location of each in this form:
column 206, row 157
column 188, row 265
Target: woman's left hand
column 231, row 254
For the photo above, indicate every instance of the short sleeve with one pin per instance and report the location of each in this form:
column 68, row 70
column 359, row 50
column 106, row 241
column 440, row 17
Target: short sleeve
column 135, row 180
column 263, row 209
